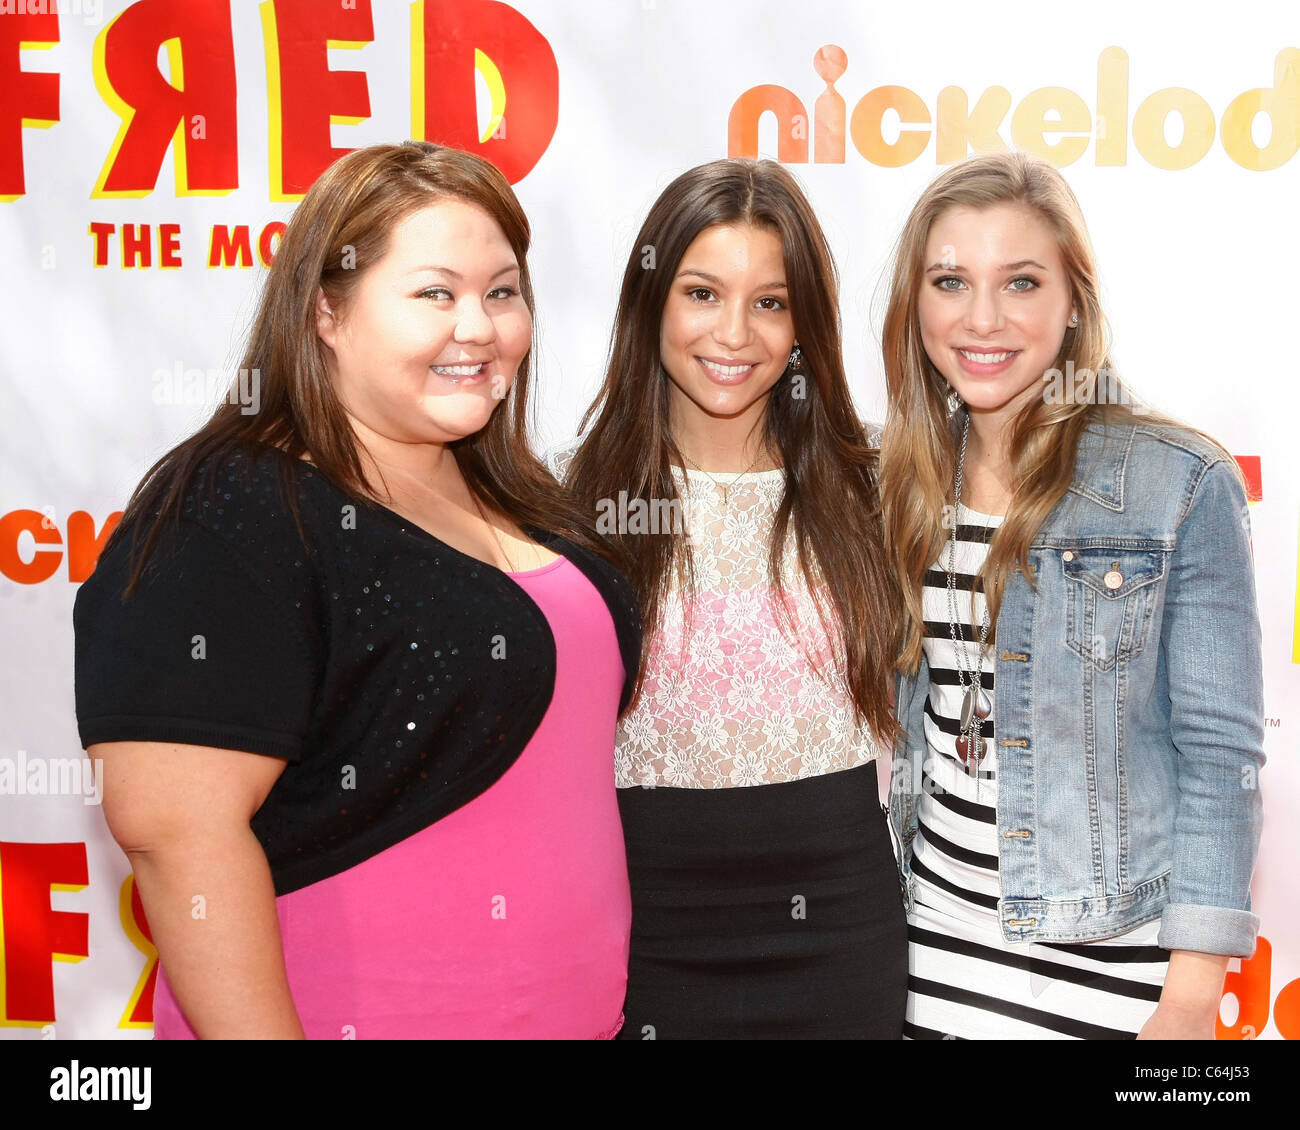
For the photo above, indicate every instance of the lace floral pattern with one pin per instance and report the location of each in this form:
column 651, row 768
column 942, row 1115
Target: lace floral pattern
column 731, row 698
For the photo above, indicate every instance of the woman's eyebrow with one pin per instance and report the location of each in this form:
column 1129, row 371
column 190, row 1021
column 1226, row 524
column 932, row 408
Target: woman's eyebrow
column 1016, row 266
column 718, row 282
column 457, row 275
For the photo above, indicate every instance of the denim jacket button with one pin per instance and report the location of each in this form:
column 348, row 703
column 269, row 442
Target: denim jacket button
column 1113, row 579
column 1068, row 555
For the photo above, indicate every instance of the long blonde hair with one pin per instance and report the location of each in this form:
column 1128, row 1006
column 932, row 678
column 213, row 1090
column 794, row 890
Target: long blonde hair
column 918, row 452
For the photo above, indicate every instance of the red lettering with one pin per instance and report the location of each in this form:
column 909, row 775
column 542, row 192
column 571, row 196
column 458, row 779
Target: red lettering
column 101, row 232
column 1250, row 470
column 34, row 934
column 523, row 65
column 139, row 1011
column 272, row 233
column 230, row 246
column 306, row 97
column 193, row 112
column 135, row 246
column 31, row 98
column 169, row 245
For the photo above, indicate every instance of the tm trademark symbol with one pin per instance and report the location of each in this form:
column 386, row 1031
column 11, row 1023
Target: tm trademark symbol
column 1275, row 723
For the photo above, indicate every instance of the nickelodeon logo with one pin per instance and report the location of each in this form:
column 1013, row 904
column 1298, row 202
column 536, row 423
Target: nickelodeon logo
column 1052, row 122
column 32, row 547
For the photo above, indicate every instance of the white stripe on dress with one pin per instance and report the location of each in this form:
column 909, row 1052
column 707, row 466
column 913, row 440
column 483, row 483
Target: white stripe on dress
column 964, row 980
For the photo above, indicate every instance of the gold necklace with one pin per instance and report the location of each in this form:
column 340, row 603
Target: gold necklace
column 726, row 490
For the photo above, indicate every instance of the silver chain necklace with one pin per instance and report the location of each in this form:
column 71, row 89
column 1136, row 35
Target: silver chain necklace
column 976, row 705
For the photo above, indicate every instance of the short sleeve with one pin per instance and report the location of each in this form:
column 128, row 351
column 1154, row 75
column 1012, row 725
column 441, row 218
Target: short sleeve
column 205, row 652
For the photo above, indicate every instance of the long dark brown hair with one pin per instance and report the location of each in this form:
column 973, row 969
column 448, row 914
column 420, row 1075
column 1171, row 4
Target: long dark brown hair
column 341, row 228
column 830, row 502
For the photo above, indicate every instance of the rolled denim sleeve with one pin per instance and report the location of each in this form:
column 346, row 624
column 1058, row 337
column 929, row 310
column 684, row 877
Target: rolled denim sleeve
column 1212, row 648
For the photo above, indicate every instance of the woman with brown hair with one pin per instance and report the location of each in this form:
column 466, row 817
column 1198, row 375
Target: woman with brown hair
column 353, row 663
column 1076, row 796
column 725, row 459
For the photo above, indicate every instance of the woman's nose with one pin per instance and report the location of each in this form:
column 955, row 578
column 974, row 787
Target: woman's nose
column 473, row 322
column 984, row 312
column 732, row 328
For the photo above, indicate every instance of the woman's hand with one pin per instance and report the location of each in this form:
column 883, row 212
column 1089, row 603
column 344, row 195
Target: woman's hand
column 1189, row 1002
column 181, row 813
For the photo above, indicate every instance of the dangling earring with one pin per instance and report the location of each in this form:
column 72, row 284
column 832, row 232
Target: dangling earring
column 795, row 364
column 954, row 401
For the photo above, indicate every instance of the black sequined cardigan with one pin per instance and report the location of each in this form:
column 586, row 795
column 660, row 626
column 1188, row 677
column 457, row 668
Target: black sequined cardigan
column 399, row 677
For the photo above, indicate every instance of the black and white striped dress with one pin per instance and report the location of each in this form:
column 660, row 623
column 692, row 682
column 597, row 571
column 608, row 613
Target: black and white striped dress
column 964, row 980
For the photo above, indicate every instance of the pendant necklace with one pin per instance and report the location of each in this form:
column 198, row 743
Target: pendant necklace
column 976, row 705
column 725, row 489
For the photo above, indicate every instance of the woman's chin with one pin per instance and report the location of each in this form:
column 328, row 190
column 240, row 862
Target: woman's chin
column 445, row 421
column 727, row 403
column 996, row 398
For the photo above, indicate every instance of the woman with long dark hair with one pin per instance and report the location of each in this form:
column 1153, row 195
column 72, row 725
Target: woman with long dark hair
column 353, row 663
column 1077, row 804
column 725, row 460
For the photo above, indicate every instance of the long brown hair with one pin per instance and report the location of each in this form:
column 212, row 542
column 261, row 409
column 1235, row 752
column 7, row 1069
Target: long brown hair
column 919, row 451
column 341, row 228
column 830, row 503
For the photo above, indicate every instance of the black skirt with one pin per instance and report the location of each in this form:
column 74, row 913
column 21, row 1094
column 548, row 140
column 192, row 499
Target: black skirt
column 764, row 912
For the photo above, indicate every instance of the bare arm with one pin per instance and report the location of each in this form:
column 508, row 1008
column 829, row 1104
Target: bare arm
column 1189, row 1002
column 181, row 813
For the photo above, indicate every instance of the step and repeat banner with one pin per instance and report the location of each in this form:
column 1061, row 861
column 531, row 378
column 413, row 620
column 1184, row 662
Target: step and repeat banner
column 151, row 152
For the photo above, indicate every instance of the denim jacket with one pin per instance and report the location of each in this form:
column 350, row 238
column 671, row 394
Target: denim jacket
column 1129, row 706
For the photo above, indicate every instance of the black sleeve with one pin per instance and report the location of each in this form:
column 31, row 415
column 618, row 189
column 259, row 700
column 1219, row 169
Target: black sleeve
column 204, row 652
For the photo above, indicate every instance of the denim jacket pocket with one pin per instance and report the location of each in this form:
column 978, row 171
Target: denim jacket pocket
column 1110, row 596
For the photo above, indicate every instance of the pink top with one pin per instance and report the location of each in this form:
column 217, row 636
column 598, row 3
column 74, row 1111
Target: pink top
column 508, row 918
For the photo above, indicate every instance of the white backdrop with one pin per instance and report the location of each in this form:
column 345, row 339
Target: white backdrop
column 1197, row 264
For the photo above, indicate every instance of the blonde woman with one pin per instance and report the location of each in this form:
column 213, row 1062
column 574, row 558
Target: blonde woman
column 1080, row 685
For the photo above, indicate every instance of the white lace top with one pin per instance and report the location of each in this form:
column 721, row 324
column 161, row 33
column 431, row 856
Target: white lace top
column 730, row 698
